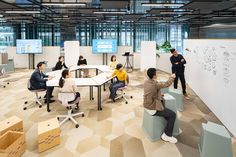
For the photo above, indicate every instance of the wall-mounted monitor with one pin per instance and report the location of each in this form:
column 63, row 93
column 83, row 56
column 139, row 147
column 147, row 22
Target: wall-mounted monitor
column 29, row 46
column 104, row 46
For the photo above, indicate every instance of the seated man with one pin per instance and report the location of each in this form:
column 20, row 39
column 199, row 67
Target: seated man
column 153, row 102
column 121, row 75
column 38, row 80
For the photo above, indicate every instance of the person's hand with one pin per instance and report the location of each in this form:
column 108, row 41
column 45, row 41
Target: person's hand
column 50, row 77
column 177, row 63
column 182, row 60
column 173, row 75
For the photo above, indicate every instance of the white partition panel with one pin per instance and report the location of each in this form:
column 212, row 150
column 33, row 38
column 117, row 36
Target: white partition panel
column 163, row 62
column 72, row 52
column 50, row 54
column 211, row 73
column 148, row 55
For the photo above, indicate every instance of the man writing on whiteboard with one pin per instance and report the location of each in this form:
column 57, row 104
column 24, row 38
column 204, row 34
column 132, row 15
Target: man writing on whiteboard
column 178, row 67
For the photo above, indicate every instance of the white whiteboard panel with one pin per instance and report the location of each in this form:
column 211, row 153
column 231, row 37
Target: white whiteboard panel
column 72, row 52
column 50, row 54
column 211, row 73
column 148, row 55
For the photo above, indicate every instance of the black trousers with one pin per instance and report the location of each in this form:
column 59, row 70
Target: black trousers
column 170, row 116
column 182, row 80
column 77, row 95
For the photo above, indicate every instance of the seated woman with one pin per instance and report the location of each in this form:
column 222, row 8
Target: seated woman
column 68, row 85
column 121, row 75
column 60, row 64
column 113, row 62
column 82, row 61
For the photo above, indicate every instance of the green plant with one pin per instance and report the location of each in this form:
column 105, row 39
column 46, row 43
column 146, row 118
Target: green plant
column 166, row 46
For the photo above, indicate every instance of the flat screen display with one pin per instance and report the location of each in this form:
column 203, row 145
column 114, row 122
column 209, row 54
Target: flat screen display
column 104, row 46
column 29, row 46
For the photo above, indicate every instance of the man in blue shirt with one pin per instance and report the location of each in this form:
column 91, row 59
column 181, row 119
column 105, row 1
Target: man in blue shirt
column 38, row 80
column 178, row 68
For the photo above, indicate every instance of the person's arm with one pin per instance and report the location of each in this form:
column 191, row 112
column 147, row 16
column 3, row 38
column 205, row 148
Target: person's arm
column 64, row 65
column 78, row 63
column 167, row 83
column 174, row 64
column 36, row 77
column 182, row 60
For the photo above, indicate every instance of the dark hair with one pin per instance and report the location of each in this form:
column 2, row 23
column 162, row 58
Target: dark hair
column 60, row 58
column 80, row 57
column 172, row 50
column 112, row 57
column 63, row 76
column 40, row 64
column 151, row 72
column 118, row 66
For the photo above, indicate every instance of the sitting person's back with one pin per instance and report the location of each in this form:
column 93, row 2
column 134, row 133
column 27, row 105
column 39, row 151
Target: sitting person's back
column 67, row 85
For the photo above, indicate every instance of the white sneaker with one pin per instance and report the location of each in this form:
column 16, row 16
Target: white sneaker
column 166, row 138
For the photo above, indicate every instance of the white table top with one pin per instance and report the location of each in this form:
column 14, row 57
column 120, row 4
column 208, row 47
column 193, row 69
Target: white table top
column 103, row 68
column 94, row 81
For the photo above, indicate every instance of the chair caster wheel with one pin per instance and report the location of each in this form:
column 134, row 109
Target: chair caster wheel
column 36, row 102
column 25, row 108
column 26, row 102
column 82, row 115
column 122, row 97
column 126, row 102
column 40, row 106
column 40, row 97
column 69, row 119
column 92, row 98
column 131, row 97
column 77, row 125
column 58, row 118
column 4, row 86
column 8, row 83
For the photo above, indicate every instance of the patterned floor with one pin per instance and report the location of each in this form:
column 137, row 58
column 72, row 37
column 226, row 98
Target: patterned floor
column 115, row 131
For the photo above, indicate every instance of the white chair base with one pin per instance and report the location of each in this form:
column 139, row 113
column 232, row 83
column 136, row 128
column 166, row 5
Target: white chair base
column 123, row 95
column 35, row 99
column 70, row 116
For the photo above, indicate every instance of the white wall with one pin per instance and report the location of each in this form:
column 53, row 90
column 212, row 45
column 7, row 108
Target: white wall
column 50, row 54
column 148, row 55
column 72, row 52
column 163, row 63
column 92, row 59
column 211, row 73
column 20, row 60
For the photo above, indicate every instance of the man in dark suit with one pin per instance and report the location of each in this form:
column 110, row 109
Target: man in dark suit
column 38, row 80
column 178, row 68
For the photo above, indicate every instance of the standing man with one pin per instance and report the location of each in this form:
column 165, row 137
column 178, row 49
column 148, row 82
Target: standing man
column 178, row 67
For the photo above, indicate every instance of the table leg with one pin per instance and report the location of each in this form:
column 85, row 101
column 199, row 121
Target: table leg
column 47, row 99
column 91, row 93
column 96, row 71
column 76, row 75
column 104, row 87
column 80, row 75
column 99, row 98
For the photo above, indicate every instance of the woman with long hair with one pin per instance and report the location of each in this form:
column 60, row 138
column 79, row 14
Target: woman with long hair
column 67, row 85
column 81, row 62
column 60, row 64
column 113, row 62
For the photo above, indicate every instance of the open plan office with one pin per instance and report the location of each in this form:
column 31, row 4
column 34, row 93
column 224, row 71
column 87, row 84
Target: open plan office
column 117, row 78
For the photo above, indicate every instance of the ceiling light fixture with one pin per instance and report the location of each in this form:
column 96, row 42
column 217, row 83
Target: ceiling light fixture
column 162, row 4
column 109, row 12
column 22, row 12
column 64, row 4
column 1, row 15
column 175, row 12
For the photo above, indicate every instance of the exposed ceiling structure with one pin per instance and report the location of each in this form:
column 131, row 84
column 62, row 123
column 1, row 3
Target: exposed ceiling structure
column 73, row 12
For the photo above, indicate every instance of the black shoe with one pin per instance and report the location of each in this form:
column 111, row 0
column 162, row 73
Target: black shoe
column 46, row 97
column 50, row 101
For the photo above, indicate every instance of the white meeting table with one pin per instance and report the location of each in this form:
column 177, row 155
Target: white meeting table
column 96, row 81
